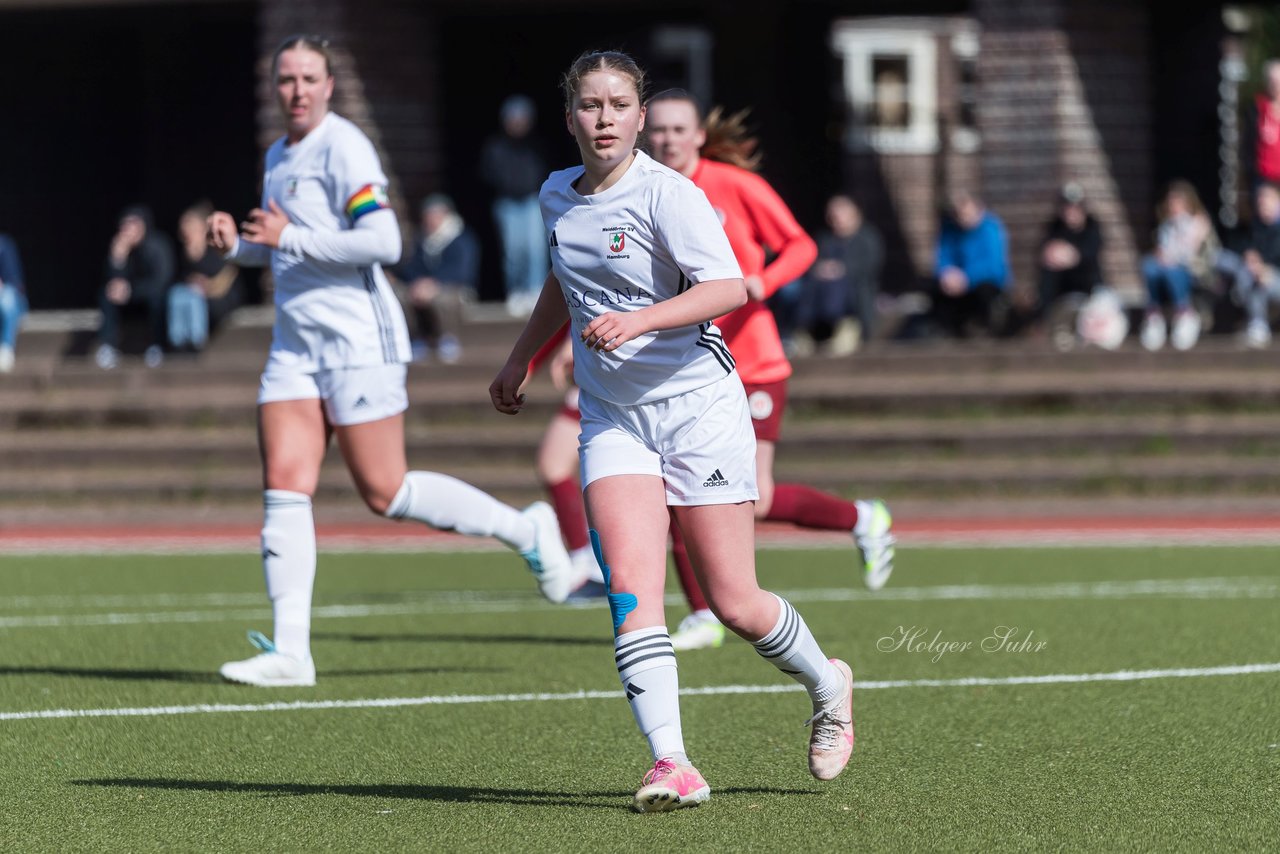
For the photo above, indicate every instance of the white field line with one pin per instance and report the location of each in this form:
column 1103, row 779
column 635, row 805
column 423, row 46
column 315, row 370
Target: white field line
column 453, row 602
column 80, row 544
column 481, row 699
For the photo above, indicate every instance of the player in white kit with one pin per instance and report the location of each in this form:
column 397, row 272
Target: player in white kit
column 640, row 266
column 337, row 363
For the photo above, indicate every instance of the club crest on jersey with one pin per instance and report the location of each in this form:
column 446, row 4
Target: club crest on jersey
column 617, row 242
column 291, row 187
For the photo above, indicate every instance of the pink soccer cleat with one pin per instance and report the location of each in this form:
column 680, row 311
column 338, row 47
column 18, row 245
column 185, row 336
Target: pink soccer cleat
column 669, row 787
column 831, row 740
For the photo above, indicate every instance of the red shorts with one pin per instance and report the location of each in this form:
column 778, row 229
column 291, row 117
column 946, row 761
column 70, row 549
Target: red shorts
column 767, row 402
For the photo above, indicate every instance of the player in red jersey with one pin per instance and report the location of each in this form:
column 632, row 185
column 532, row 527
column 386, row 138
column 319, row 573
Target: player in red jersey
column 720, row 158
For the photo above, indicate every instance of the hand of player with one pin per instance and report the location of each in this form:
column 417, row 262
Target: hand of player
column 755, row 288
column 611, row 330
column 220, row 231
column 505, row 392
column 265, row 226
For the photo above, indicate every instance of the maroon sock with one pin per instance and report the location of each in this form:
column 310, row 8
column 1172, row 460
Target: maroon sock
column 809, row 508
column 566, row 498
column 684, row 569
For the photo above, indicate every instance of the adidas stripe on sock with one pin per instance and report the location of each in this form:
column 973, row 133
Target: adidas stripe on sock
column 289, row 565
column 647, row 666
column 790, row 647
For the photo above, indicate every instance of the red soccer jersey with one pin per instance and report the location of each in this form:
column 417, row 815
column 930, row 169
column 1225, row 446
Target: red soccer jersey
column 755, row 218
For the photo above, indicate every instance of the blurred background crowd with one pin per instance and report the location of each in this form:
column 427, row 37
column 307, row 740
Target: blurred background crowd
column 1078, row 173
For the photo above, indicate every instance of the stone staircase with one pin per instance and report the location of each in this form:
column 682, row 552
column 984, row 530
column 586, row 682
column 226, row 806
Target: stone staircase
column 939, row 428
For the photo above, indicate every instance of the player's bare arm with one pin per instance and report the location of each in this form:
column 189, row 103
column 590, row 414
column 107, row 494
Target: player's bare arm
column 703, row 302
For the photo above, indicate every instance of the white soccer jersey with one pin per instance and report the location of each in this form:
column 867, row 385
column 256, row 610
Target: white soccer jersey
column 330, row 313
column 644, row 240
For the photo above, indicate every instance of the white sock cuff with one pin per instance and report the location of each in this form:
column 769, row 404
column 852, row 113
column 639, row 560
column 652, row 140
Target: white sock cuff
column 285, row 498
column 400, row 505
column 643, row 649
column 783, row 635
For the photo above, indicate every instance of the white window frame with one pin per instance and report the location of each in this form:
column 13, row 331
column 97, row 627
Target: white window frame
column 858, row 43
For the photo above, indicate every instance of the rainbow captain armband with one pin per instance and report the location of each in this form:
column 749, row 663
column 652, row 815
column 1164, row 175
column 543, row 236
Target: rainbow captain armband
column 369, row 198
column 620, row 604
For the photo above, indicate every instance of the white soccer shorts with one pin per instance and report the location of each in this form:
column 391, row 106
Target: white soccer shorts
column 700, row 443
column 350, row 395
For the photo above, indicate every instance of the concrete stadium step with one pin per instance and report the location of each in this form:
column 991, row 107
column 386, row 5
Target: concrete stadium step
column 195, row 400
column 1101, row 475
column 834, row 442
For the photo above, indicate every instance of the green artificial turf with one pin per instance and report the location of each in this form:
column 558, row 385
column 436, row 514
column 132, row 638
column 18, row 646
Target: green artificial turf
column 1152, row 764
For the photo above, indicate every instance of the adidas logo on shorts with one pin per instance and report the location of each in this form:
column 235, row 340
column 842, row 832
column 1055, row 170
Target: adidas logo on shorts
column 360, row 403
column 716, row 479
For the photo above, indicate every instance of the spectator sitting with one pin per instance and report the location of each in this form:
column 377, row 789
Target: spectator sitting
column 1261, row 132
column 441, row 277
column 1256, row 270
column 1185, row 245
column 1069, row 252
column 13, row 301
column 514, row 170
column 206, row 283
column 972, row 269
column 139, row 272
column 844, row 281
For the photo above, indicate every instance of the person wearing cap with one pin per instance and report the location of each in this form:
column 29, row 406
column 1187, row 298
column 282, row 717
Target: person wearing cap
column 1069, row 252
column 440, row 276
column 139, row 271
column 513, row 169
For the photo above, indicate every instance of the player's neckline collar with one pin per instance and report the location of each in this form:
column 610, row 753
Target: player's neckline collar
column 607, row 193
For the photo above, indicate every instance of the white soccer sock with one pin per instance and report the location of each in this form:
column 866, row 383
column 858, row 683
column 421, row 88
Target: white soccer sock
column 289, row 564
column 449, row 504
column 647, row 666
column 585, row 558
column 792, row 649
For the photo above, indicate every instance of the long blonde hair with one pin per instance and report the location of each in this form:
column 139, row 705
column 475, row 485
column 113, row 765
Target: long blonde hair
column 728, row 139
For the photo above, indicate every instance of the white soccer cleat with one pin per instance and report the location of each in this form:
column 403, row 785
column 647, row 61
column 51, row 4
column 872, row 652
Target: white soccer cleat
column 270, row 669
column 873, row 538
column 832, row 737
column 548, row 560
column 699, row 630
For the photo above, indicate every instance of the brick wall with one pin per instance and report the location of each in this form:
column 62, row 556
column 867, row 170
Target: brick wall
column 386, row 82
column 1065, row 95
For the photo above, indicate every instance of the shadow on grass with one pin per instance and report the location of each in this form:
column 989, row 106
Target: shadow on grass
column 603, row 640
column 211, row 677
column 446, row 794
column 122, row 674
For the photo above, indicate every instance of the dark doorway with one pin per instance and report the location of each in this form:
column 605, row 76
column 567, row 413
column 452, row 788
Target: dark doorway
column 106, row 107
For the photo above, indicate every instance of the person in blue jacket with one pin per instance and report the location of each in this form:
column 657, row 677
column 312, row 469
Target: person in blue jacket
column 972, row 269
column 13, row 300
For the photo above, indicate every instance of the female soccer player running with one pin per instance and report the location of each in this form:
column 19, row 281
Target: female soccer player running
column 337, row 362
column 640, row 266
column 720, row 159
